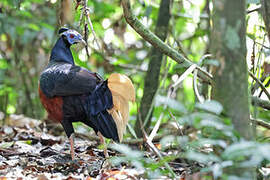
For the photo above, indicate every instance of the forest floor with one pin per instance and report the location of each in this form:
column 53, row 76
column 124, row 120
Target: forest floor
column 29, row 151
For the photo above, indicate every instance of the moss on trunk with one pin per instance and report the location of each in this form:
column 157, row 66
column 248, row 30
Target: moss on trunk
column 231, row 77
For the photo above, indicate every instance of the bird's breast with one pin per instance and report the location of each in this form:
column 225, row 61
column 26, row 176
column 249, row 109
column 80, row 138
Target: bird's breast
column 54, row 106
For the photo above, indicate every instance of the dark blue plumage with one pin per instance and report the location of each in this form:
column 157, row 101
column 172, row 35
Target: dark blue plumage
column 83, row 95
column 61, row 52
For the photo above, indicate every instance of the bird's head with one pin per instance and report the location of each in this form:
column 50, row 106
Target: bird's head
column 71, row 36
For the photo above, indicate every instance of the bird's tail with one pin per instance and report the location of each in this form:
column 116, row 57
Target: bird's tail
column 122, row 91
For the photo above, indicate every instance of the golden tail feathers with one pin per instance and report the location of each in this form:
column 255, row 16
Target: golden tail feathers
column 122, row 92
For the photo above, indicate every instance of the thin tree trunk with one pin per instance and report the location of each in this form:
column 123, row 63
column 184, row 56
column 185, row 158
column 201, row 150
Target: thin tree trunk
column 266, row 15
column 151, row 83
column 228, row 45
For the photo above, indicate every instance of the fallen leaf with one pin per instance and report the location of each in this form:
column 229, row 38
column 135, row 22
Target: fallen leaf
column 42, row 177
column 158, row 146
column 5, row 145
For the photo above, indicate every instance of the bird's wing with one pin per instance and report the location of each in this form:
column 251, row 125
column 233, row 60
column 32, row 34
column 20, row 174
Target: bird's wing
column 66, row 80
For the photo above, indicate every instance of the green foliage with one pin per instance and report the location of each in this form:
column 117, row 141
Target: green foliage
column 218, row 146
column 139, row 161
column 28, row 30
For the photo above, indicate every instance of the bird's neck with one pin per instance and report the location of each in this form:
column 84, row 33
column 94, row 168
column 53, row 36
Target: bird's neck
column 61, row 52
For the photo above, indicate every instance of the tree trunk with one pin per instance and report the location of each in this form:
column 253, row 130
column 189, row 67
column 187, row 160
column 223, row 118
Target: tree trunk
column 151, row 83
column 266, row 15
column 228, row 45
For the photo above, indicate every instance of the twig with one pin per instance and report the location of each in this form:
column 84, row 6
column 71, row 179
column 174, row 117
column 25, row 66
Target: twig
column 131, row 66
column 170, row 92
column 184, row 75
column 91, row 27
column 81, row 18
column 195, row 87
column 182, row 15
column 156, row 151
column 266, row 47
column 156, row 42
column 261, row 123
column 259, row 102
column 258, row 65
column 203, row 58
column 177, row 124
column 86, row 38
column 156, row 127
column 261, row 84
column 85, row 12
column 253, row 10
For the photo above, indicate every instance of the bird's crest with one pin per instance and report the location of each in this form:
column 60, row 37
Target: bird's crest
column 61, row 30
column 71, row 35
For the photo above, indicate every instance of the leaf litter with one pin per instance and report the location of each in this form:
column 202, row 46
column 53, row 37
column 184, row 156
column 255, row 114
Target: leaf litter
column 32, row 151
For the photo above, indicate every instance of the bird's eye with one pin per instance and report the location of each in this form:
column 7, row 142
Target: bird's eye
column 71, row 35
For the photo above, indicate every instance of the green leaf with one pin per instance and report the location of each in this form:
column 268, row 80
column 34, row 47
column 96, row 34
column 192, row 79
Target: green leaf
column 11, row 109
column 201, row 157
column 23, row 13
column 131, row 130
column 212, row 62
column 210, row 106
column 167, row 141
column 34, row 27
column 3, row 64
column 217, row 168
column 171, row 103
column 5, row 145
column 20, row 30
column 242, row 148
column 124, row 149
column 204, row 141
column 210, row 123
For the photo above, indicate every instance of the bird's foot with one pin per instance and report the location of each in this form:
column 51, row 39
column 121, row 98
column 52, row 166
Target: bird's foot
column 71, row 141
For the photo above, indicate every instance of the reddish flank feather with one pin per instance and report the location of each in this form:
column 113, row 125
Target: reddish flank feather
column 54, row 106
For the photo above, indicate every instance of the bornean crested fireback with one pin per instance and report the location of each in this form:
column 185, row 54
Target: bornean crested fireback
column 71, row 93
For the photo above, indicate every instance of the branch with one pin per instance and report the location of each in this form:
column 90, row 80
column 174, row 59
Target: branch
column 157, row 43
column 261, row 123
column 195, row 87
column 253, row 10
column 259, row 102
column 172, row 53
column 261, row 84
column 266, row 16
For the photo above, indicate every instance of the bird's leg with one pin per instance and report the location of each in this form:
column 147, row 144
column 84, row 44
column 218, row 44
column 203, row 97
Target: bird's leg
column 71, row 141
column 102, row 141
